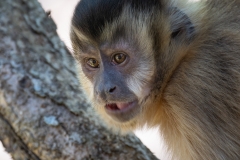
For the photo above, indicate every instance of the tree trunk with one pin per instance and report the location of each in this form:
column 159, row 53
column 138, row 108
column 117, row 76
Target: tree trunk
column 43, row 114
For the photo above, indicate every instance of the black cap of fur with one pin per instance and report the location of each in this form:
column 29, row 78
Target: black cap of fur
column 91, row 16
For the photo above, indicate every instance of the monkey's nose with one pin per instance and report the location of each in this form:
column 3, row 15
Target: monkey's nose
column 112, row 89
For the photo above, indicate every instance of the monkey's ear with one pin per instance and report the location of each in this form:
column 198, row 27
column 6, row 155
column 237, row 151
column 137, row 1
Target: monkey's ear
column 181, row 25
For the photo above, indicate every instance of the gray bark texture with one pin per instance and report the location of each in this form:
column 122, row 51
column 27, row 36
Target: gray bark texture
column 43, row 113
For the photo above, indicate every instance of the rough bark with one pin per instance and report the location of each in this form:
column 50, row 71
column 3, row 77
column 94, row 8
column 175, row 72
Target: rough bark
column 43, row 114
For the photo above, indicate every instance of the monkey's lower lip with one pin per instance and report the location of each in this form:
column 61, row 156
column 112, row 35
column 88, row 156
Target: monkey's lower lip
column 119, row 106
column 123, row 112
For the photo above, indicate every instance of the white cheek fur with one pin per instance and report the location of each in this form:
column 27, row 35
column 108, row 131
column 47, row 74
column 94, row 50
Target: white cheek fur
column 138, row 82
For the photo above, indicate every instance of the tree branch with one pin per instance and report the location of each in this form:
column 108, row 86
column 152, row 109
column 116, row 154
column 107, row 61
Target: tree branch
column 43, row 114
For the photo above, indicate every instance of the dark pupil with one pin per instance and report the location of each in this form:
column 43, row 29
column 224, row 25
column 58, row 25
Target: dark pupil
column 119, row 58
column 93, row 62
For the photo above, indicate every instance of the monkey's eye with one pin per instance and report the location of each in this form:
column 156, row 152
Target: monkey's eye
column 119, row 58
column 92, row 63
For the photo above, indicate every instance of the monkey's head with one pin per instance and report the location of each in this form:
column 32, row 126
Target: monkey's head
column 125, row 50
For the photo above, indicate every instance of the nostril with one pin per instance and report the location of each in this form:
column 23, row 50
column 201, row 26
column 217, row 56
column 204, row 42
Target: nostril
column 112, row 89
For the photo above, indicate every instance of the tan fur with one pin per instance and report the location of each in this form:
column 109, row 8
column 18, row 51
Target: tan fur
column 196, row 104
column 187, row 130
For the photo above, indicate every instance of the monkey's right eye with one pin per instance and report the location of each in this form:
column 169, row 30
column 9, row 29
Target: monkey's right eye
column 93, row 63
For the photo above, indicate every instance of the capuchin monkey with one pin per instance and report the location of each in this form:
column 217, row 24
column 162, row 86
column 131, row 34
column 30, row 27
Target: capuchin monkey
column 169, row 64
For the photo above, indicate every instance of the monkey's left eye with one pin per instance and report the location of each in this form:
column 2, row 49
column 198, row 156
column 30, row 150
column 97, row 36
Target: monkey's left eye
column 119, row 58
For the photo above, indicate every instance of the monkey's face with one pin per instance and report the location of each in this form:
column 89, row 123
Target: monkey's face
column 116, row 77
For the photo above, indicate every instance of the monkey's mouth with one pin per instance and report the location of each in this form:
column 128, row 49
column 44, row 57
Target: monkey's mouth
column 118, row 106
column 121, row 111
